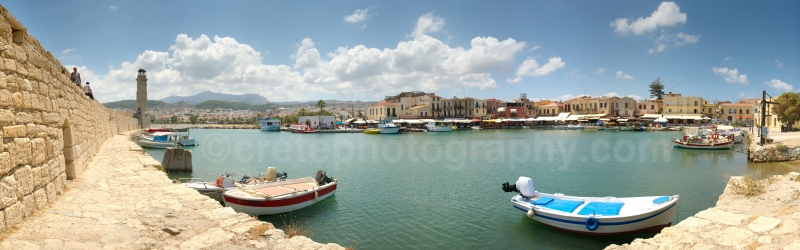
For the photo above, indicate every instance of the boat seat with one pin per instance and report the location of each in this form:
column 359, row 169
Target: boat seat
column 542, row 201
column 564, row 205
column 661, row 199
column 275, row 191
column 601, row 208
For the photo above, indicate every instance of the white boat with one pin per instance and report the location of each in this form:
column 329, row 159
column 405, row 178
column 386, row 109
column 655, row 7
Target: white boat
column 301, row 128
column 225, row 182
column 574, row 127
column 593, row 215
column 432, row 127
column 386, row 126
column 626, row 128
column 280, row 197
column 269, row 124
column 159, row 140
column 476, row 127
column 731, row 133
column 692, row 140
column 184, row 139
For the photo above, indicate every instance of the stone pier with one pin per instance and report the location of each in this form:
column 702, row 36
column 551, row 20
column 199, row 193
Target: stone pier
column 121, row 201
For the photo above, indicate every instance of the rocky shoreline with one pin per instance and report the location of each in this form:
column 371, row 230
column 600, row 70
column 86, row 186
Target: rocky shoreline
column 766, row 221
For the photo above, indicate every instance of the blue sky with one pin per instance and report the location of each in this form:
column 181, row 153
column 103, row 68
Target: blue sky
column 364, row 50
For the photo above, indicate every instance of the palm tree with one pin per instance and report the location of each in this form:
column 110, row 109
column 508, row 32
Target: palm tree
column 321, row 105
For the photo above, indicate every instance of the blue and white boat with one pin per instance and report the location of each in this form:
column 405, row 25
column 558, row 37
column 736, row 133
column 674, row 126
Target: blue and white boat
column 386, row 126
column 593, row 215
column 270, row 124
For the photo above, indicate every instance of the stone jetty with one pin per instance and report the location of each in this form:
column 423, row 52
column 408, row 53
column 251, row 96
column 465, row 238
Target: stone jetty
column 121, row 201
column 766, row 221
column 784, row 147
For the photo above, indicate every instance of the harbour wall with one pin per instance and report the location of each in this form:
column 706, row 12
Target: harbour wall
column 49, row 128
column 773, row 152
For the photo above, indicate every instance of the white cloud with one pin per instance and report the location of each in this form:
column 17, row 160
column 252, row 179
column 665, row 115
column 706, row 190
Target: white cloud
column 69, row 55
column 222, row 64
column 686, row 39
column 622, row 75
column 667, row 14
column 576, row 74
column 780, row 85
column 778, row 63
column 730, row 75
column 728, row 58
column 112, row 7
column 531, row 68
column 666, row 39
column 600, row 70
column 427, row 24
column 358, row 16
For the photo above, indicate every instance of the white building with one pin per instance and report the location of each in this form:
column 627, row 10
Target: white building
column 313, row 121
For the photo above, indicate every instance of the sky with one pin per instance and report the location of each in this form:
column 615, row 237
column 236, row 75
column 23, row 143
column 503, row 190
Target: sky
column 366, row 50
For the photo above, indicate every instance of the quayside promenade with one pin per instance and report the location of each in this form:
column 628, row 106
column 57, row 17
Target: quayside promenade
column 121, row 201
column 766, row 221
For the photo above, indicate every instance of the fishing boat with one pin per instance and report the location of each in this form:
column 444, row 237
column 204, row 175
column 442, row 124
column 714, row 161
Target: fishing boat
column 301, row 128
column 593, row 215
column 280, row 197
column 159, row 140
column 432, row 127
column 386, row 126
column 574, row 127
column 415, row 130
column 692, row 140
column 639, row 128
column 372, row 131
column 269, row 124
column 224, row 182
column 731, row 133
column 183, row 137
column 626, row 128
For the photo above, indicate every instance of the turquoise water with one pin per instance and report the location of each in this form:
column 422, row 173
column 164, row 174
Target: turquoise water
column 442, row 190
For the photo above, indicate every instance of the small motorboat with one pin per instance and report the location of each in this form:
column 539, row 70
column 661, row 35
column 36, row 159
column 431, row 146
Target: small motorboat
column 372, row 131
column 415, row 130
column 225, row 182
column 593, row 215
column 302, row 128
column 476, row 127
column 159, row 140
column 280, row 197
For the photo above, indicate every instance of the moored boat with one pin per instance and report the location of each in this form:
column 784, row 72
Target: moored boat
column 476, row 127
column 301, row 128
column 269, row 124
column 215, row 189
column 280, row 197
column 415, row 130
column 432, row 127
column 593, row 215
column 159, row 140
column 372, row 131
column 692, row 140
column 386, row 126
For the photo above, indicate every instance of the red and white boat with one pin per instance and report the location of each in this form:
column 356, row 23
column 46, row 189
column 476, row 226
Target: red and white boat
column 280, row 197
column 301, row 128
column 691, row 140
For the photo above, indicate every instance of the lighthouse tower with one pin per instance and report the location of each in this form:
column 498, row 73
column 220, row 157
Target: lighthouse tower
column 141, row 98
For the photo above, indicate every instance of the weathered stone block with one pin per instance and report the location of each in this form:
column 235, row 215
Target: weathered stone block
column 31, row 129
column 40, row 197
column 24, row 176
column 8, row 191
column 27, row 100
column 2, row 77
column 6, row 98
column 59, row 183
column 5, row 163
column 28, row 117
column 28, row 205
column 26, row 85
column 38, row 150
column 20, row 151
column 51, row 192
column 16, row 100
column 6, row 117
column 14, row 214
column 51, row 118
column 2, row 223
column 14, row 131
column 41, row 176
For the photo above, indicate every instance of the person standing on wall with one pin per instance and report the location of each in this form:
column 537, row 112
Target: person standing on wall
column 75, row 77
column 88, row 91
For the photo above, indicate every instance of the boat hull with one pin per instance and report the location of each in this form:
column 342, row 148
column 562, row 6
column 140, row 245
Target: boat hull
column 686, row 145
column 271, row 128
column 651, row 221
column 208, row 189
column 440, row 129
column 156, row 144
column 255, row 206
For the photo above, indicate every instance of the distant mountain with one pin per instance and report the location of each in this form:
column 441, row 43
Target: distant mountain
column 131, row 104
column 252, row 99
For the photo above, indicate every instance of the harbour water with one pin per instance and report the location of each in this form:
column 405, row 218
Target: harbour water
column 442, row 190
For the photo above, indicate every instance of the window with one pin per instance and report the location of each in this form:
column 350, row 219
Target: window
column 626, row 105
column 653, row 107
column 747, row 111
column 695, row 103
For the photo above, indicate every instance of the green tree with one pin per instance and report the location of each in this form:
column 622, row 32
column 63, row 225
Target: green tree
column 657, row 89
column 788, row 108
column 321, row 105
column 173, row 119
column 193, row 118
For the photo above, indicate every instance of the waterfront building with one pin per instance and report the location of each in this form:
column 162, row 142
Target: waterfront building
column 512, row 110
column 381, row 110
column 683, row 109
column 492, row 105
column 582, row 105
column 550, row 109
column 617, row 106
column 467, row 107
column 530, row 106
column 648, row 107
column 741, row 113
column 416, row 105
column 327, row 121
column 711, row 110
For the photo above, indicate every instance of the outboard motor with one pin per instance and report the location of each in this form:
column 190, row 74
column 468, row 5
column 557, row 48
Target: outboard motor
column 322, row 179
column 509, row 187
column 282, row 176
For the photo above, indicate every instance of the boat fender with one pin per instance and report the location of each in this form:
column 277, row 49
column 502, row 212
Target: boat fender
column 316, row 196
column 531, row 213
column 219, row 181
column 591, row 223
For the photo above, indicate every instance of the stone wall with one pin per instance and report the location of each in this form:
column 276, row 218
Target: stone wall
column 49, row 128
column 773, row 152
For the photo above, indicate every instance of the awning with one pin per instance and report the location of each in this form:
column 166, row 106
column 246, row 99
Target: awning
column 605, row 119
column 687, row 117
column 414, row 121
column 359, row 122
column 573, row 118
column 476, row 120
column 650, row 116
column 622, row 120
